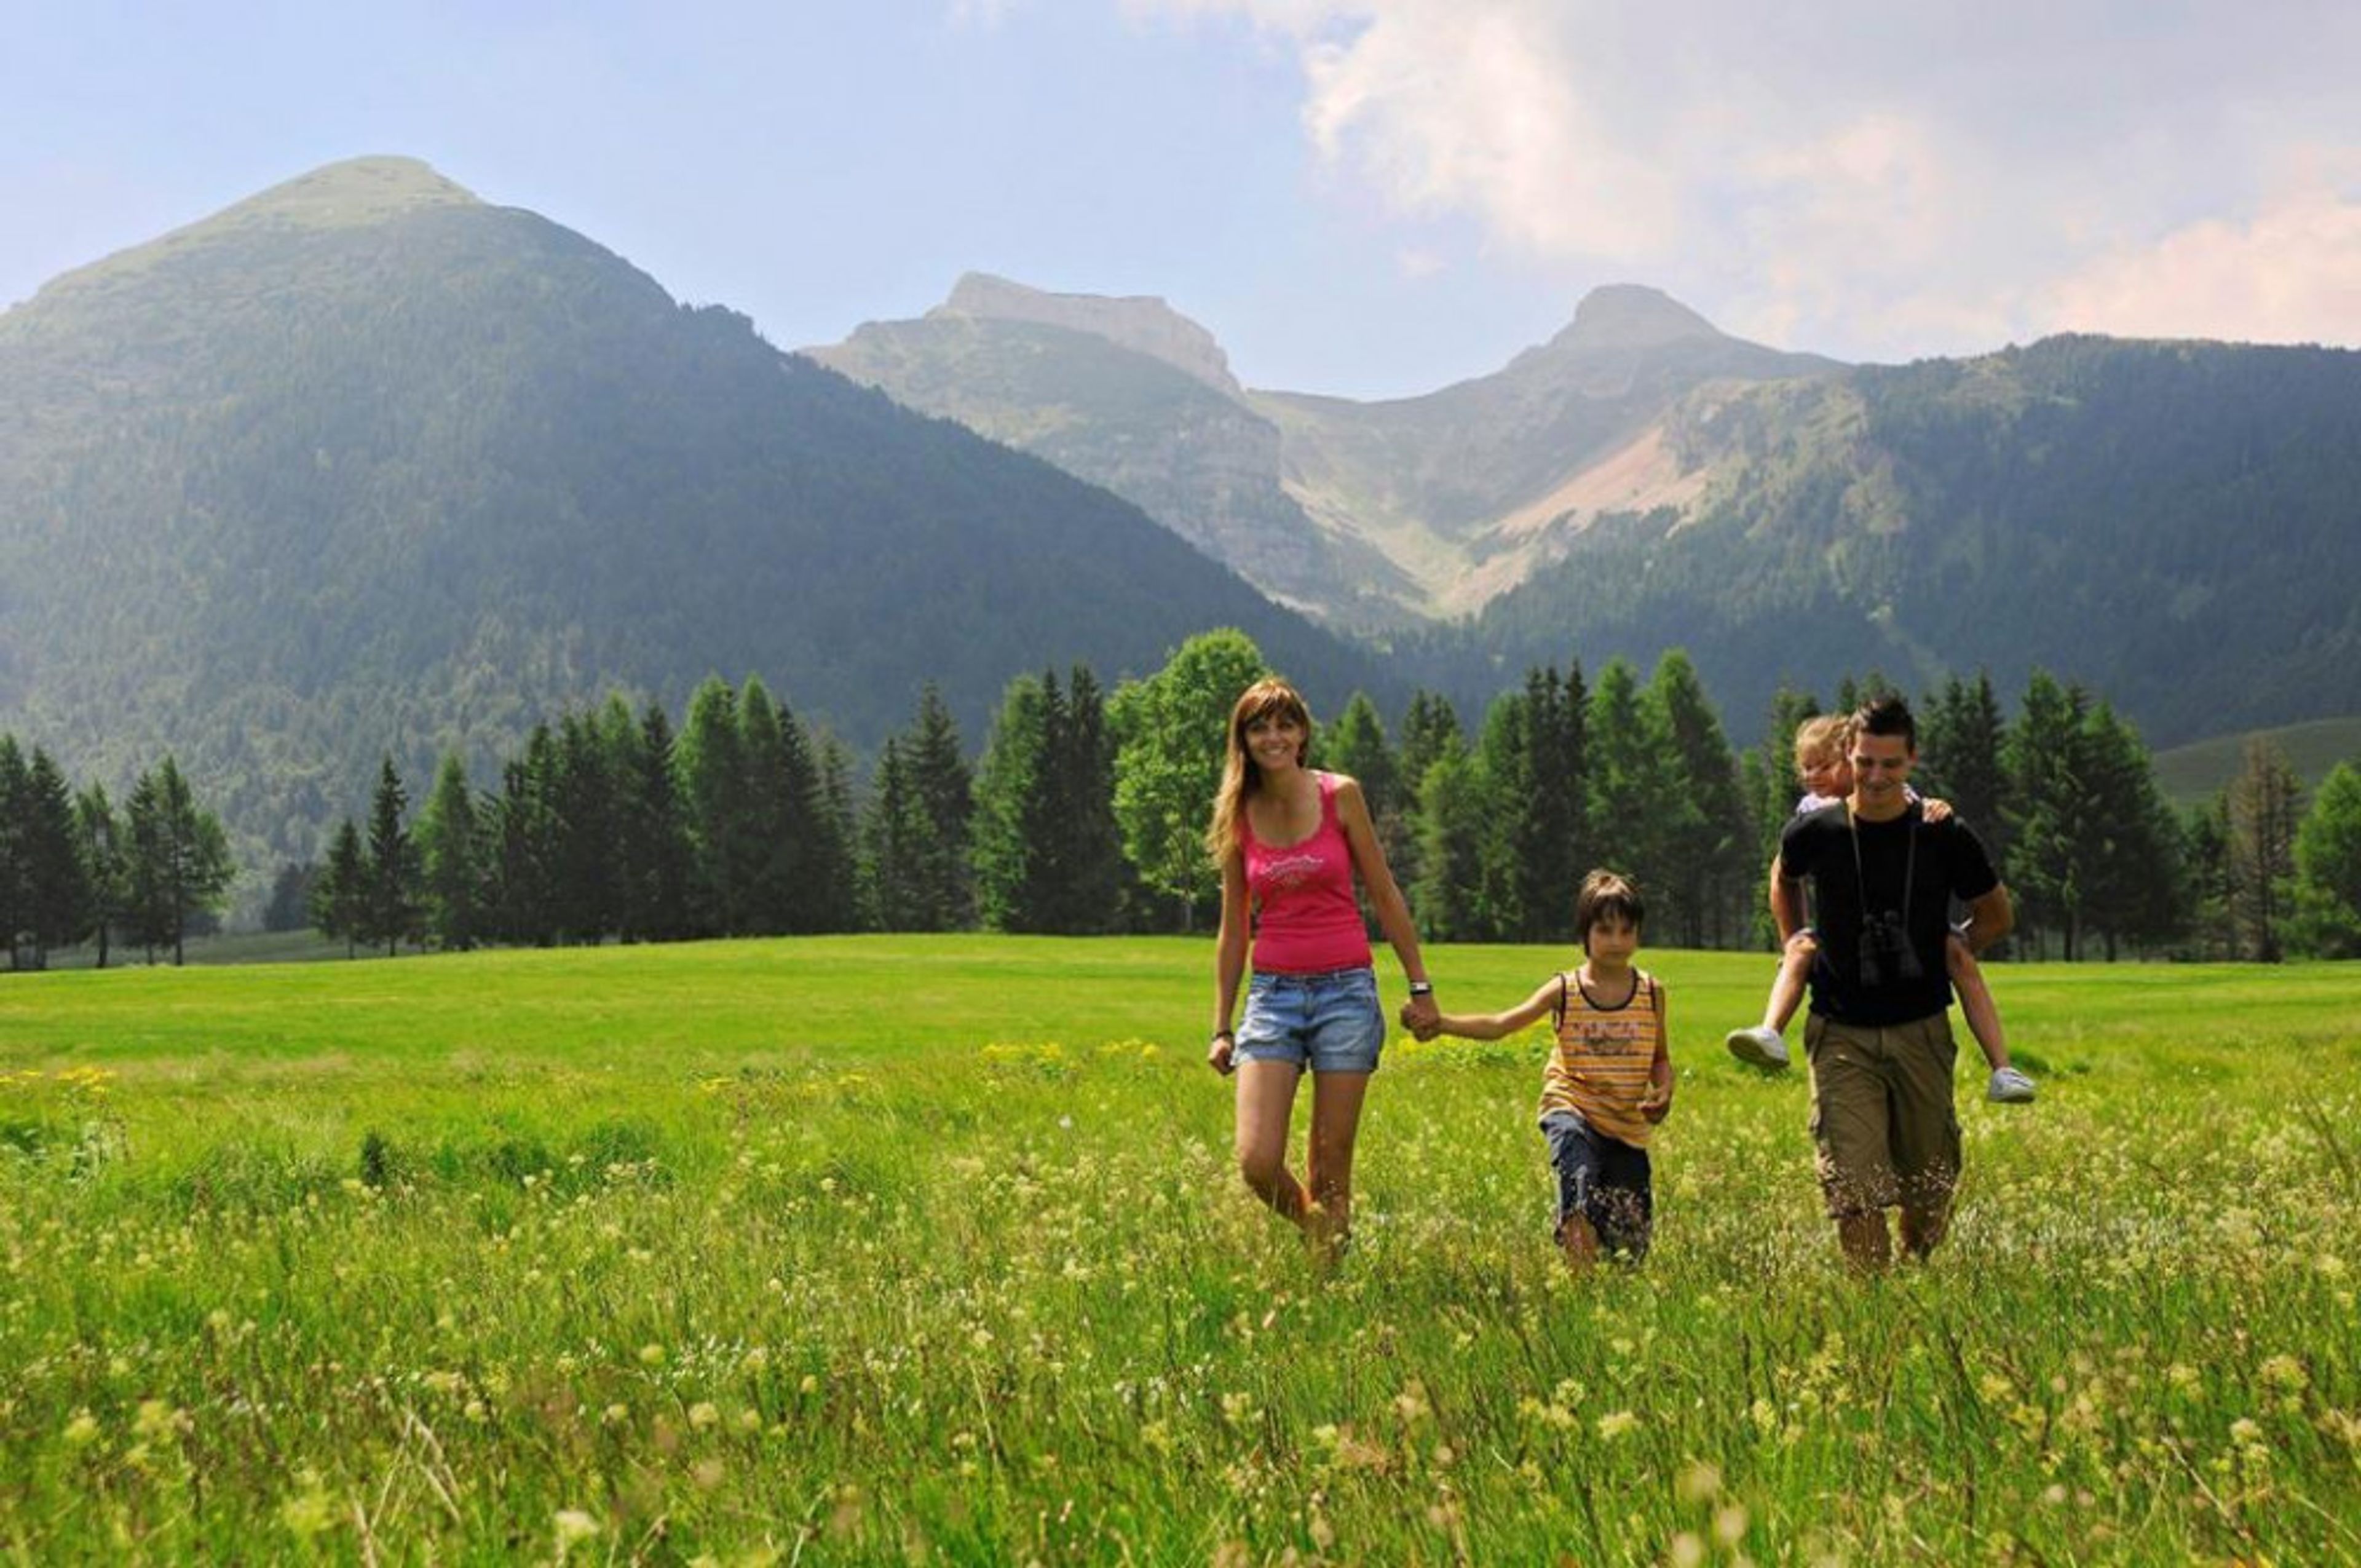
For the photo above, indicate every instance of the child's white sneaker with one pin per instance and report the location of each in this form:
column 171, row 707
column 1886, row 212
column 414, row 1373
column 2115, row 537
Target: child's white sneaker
column 1758, row 1046
column 2009, row 1087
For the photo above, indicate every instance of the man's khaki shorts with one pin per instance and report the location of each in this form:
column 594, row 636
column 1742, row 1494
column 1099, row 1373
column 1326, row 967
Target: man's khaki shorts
column 1883, row 1121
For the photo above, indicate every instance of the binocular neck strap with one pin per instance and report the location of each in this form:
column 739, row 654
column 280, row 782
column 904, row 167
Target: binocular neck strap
column 1861, row 878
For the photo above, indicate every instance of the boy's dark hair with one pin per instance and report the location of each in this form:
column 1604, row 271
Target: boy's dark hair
column 1606, row 897
column 1887, row 714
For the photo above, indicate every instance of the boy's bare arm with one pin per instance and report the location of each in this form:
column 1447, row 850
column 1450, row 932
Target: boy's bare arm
column 1494, row 1025
column 1657, row 1103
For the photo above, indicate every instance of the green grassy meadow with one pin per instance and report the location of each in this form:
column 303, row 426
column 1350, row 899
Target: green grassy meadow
column 927, row 1250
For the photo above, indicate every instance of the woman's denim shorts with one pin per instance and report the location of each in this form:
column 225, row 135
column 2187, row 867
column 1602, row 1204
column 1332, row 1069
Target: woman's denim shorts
column 1328, row 1022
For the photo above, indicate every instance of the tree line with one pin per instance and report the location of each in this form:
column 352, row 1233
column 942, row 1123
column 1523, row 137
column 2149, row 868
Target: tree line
column 74, row 870
column 1085, row 811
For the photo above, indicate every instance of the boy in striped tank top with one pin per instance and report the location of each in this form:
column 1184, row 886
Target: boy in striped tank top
column 1609, row 1080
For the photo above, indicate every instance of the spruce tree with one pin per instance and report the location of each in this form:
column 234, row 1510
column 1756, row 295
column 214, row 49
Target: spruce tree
column 1551, row 832
column 392, row 905
column 713, row 789
column 653, row 851
column 180, row 864
column 57, row 883
column 450, row 847
column 1094, row 882
column 1447, row 895
column 1704, row 834
column 1015, row 850
column 16, row 848
column 2266, row 809
column 946, row 792
column 340, row 898
column 2328, row 866
column 1629, row 782
column 892, row 828
column 102, row 854
column 2048, row 808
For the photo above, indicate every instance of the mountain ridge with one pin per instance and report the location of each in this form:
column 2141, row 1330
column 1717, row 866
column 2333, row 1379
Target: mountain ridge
column 285, row 495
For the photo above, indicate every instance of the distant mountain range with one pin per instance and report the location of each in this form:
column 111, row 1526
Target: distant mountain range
column 363, row 463
column 2176, row 524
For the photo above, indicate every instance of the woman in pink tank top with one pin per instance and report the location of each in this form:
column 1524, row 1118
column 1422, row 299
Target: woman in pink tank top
column 1292, row 843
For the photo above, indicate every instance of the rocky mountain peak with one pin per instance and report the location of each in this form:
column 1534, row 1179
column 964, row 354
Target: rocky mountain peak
column 1143, row 324
column 1631, row 315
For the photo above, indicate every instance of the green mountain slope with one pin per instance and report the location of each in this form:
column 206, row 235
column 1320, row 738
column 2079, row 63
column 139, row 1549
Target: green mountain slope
column 1128, row 394
column 2178, row 525
column 2195, row 772
column 1372, row 516
column 364, row 464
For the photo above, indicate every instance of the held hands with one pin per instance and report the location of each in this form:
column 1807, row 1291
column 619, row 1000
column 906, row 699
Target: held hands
column 1421, row 1017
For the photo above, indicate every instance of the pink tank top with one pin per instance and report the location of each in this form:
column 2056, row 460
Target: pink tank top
column 1306, row 919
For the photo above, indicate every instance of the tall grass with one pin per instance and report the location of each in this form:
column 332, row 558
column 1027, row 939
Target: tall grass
column 929, row 1250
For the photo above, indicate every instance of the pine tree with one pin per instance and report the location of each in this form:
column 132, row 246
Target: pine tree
column 522, row 836
column 834, row 878
column 1093, row 878
column 2265, row 806
column 450, row 847
column 1430, row 731
column 892, row 828
column 1629, row 787
column 946, row 793
column 340, row 898
column 1014, row 848
column 1499, row 788
column 392, row 907
column 1704, row 834
column 1550, row 826
column 2049, row 809
column 58, row 887
column 179, row 865
column 1963, row 746
column 713, row 788
column 1450, row 853
column 1356, row 745
column 653, row 851
column 778, row 826
column 2328, row 866
column 2130, row 874
column 103, row 856
column 15, row 849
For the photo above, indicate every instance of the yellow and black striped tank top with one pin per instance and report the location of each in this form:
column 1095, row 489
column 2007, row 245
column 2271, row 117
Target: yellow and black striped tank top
column 1600, row 1065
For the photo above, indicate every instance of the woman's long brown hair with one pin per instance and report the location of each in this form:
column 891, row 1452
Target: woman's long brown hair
column 1267, row 697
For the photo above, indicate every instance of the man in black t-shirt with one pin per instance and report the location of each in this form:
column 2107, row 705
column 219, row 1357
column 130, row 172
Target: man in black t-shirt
column 1884, row 1126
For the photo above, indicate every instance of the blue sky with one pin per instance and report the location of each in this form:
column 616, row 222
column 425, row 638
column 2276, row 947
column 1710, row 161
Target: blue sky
column 1364, row 197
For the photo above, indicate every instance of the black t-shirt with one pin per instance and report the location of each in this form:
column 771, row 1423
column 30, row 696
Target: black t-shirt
column 1949, row 862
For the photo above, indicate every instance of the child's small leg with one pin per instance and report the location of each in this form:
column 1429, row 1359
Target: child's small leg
column 2008, row 1086
column 1787, row 987
column 1579, row 1241
column 1760, row 1046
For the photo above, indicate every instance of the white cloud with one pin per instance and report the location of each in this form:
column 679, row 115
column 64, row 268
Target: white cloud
column 2292, row 274
column 1872, row 180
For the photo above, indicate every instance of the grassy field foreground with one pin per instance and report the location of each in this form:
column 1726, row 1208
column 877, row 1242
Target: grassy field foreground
column 927, row 1250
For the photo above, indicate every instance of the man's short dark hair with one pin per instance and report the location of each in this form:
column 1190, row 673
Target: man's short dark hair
column 1887, row 714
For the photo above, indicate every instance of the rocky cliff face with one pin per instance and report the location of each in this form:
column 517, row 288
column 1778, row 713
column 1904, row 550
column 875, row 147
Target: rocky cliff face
column 1140, row 322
